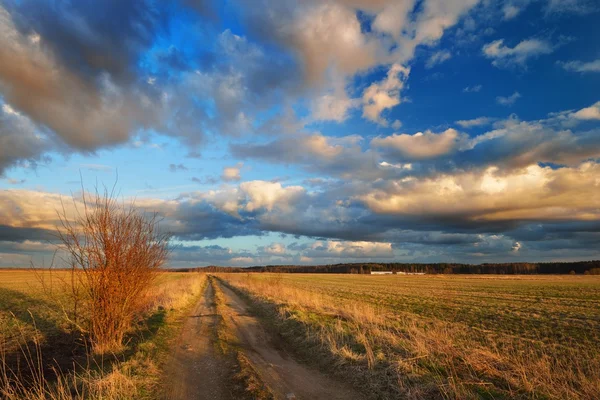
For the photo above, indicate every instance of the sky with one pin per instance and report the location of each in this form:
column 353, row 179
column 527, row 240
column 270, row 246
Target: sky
column 308, row 132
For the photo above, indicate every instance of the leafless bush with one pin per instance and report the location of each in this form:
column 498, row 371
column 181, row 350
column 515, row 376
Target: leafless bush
column 113, row 251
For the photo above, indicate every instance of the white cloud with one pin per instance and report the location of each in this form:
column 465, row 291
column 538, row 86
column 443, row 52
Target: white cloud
column 437, row 58
column 274, row 249
column 359, row 249
column 332, row 107
column 397, row 124
column 382, row 96
column 508, row 100
column 504, row 56
column 469, row 123
column 330, row 36
column 588, row 113
column 531, row 193
column 232, row 173
column 579, row 66
column 472, row 89
column 270, row 195
column 420, row 145
column 510, row 11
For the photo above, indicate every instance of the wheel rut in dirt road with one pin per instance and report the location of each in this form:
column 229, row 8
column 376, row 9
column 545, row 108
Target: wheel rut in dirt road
column 196, row 369
column 286, row 378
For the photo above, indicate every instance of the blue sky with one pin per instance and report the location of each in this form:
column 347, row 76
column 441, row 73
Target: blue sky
column 308, row 132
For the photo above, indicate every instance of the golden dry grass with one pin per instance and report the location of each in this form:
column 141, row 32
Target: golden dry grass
column 444, row 336
column 30, row 322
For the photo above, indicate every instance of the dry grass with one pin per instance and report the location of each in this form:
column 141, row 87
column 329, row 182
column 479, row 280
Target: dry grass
column 444, row 339
column 128, row 375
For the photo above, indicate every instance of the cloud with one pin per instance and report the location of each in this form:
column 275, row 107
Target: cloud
column 469, row 123
column 510, row 11
column 329, row 35
column 588, row 113
column 570, row 6
column 274, row 249
column 231, row 174
column 270, row 195
column 333, row 107
column 508, row 100
column 339, row 156
column 504, row 56
column 345, row 249
column 420, row 145
column 437, row 58
column 382, row 96
column 20, row 142
column 532, row 193
column 579, row 66
column 177, row 167
column 472, row 89
column 85, row 113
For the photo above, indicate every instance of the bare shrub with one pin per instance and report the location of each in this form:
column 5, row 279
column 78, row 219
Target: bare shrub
column 113, row 251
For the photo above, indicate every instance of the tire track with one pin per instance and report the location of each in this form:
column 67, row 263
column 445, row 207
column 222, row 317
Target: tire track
column 196, row 370
column 286, row 378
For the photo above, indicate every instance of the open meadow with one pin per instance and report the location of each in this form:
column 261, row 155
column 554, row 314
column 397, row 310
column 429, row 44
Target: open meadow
column 441, row 336
column 316, row 336
column 42, row 356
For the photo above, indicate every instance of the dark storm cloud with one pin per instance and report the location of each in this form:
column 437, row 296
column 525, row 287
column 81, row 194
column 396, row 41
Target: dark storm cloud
column 205, row 254
column 93, row 37
column 18, row 234
column 19, row 142
column 201, row 220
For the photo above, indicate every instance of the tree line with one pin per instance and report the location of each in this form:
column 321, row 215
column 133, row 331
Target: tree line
column 576, row 267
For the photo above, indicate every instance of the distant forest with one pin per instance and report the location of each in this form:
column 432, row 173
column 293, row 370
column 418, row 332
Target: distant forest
column 578, row 267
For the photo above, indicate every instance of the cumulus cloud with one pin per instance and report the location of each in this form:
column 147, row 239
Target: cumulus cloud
column 85, row 113
column 20, row 141
column 588, row 113
column 232, row 173
column 344, row 249
column 533, row 193
column 505, row 56
column 274, row 249
column 270, row 195
column 421, row 145
column 384, row 95
column 508, row 100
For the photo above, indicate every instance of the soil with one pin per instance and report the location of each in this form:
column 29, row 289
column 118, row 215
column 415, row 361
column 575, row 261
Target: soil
column 196, row 369
column 287, row 378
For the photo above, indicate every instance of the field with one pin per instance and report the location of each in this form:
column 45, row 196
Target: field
column 323, row 336
column 39, row 350
column 442, row 336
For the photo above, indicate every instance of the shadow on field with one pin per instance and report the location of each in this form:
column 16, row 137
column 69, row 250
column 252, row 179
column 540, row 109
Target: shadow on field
column 58, row 350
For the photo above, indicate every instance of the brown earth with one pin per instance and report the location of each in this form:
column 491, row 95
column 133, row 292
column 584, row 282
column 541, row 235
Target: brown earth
column 196, row 370
column 286, row 378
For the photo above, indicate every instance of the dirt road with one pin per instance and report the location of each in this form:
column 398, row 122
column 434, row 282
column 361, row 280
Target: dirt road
column 287, row 378
column 196, row 370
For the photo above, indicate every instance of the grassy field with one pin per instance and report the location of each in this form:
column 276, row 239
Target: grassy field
column 32, row 323
column 441, row 336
